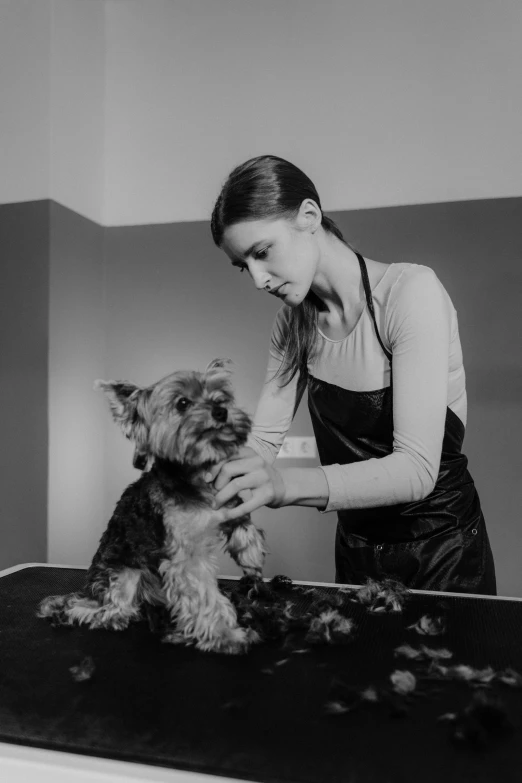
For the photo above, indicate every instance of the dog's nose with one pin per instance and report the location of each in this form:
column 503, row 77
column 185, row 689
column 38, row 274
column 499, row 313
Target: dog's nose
column 139, row 460
column 219, row 413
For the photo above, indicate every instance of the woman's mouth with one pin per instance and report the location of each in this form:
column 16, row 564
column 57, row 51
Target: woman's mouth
column 277, row 291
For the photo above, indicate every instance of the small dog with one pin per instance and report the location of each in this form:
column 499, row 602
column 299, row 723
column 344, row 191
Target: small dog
column 159, row 549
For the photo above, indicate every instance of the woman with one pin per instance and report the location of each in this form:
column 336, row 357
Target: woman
column 377, row 348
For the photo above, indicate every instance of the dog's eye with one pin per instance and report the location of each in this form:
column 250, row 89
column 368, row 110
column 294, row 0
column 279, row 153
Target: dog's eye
column 182, row 404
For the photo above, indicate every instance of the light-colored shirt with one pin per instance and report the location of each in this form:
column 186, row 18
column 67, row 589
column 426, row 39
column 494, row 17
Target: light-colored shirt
column 418, row 325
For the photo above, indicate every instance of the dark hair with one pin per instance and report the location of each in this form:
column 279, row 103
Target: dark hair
column 270, row 187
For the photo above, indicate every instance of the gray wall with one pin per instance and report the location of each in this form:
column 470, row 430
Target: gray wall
column 77, row 420
column 24, row 312
column 51, row 349
column 475, row 248
column 79, row 302
column 173, row 300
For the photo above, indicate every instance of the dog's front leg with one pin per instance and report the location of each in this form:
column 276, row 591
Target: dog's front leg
column 200, row 612
column 245, row 543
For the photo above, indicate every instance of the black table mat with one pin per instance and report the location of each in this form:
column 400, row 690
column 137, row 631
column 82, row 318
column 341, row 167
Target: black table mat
column 252, row 717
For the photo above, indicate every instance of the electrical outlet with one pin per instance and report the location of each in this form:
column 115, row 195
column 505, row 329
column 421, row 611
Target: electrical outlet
column 298, row 448
column 305, row 448
column 287, row 449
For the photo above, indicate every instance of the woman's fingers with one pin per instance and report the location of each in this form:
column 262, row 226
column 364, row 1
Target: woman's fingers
column 211, row 474
column 251, row 481
column 245, row 494
column 245, row 452
column 258, row 500
column 236, row 467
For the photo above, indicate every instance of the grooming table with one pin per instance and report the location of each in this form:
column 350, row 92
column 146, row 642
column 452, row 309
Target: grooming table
column 158, row 712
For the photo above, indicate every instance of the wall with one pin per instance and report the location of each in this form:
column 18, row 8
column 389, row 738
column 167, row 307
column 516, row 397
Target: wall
column 80, row 302
column 52, row 82
column 130, row 113
column 52, row 78
column 76, row 357
column 382, row 103
column 174, row 301
column 25, row 55
column 24, row 341
column 475, row 249
column 134, row 111
column 77, row 106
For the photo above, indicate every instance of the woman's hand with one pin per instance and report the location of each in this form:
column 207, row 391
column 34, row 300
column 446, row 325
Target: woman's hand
column 250, row 477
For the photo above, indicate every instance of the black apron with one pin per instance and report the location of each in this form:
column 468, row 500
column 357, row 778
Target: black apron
column 438, row 543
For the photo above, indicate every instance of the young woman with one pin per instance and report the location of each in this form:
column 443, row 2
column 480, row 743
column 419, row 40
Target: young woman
column 377, row 348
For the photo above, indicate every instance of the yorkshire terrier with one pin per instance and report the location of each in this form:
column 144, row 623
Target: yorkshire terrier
column 159, row 549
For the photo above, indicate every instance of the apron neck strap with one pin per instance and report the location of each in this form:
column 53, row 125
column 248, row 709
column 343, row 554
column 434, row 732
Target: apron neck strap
column 369, row 300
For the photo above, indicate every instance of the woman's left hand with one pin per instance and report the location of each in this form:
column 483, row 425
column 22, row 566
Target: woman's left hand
column 250, row 477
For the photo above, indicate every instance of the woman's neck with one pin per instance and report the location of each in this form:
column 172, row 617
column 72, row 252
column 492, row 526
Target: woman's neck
column 337, row 282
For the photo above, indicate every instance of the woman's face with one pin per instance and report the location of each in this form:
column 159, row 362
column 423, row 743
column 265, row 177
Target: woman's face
column 280, row 255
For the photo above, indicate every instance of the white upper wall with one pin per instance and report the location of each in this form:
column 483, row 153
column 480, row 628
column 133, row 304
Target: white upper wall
column 135, row 111
column 77, row 105
column 52, row 86
column 24, row 100
column 381, row 102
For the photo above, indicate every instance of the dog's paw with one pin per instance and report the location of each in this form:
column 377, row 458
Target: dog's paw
column 231, row 641
column 55, row 608
column 175, row 637
column 51, row 605
column 114, row 623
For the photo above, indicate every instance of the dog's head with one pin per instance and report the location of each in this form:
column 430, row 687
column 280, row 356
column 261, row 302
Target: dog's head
column 187, row 417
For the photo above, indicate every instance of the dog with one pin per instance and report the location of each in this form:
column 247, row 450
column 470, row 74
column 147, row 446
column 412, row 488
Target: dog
column 159, row 548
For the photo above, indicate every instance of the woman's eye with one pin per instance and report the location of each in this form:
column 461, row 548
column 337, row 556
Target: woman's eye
column 262, row 253
column 182, row 404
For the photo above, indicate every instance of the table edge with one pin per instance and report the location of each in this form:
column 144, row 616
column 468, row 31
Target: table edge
column 13, row 569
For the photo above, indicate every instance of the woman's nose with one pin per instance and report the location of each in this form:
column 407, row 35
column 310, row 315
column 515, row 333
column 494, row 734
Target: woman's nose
column 259, row 277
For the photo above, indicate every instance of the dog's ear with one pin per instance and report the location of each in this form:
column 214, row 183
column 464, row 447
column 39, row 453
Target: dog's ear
column 125, row 401
column 219, row 366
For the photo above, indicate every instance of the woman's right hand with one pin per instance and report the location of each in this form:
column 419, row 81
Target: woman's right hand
column 248, row 476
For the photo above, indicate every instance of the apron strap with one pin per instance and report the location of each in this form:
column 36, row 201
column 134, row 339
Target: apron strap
column 369, row 300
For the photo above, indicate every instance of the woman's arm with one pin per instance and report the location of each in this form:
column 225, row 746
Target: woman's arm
column 418, row 323
column 419, row 326
column 277, row 404
column 250, row 473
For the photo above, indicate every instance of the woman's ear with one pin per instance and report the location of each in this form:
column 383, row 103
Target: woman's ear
column 309, row 216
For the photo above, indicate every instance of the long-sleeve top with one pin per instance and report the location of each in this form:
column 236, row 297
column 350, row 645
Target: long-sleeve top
column 418, row 325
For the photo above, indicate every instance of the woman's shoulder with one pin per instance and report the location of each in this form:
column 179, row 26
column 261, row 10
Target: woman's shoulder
column 413, row 291
column 405, row 271
column 282, row 317
column 405, row 280
column 280, row 323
